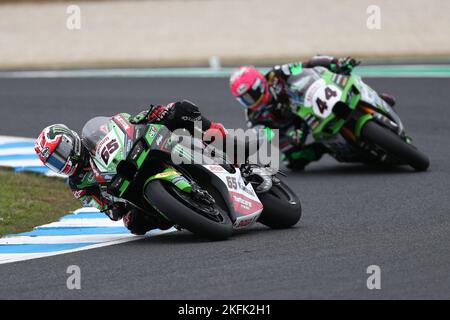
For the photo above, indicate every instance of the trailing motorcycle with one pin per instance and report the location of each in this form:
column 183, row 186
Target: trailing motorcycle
column 351, row 119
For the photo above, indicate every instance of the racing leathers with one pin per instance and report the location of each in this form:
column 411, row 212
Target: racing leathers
column 277, row 114
column 84, row 184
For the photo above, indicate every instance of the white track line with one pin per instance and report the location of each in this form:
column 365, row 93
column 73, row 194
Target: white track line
column 96, row 222
column 64, row 239
column 16, row 151
column 21, row 163
column 16, row 257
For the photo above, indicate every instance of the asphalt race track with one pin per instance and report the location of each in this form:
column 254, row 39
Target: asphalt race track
column 353, row 216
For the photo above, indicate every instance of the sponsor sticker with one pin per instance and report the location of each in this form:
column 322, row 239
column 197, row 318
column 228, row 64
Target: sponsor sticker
column 124, row 125
column 152, row 132
column 45, row 152
column 242, row 88
column 78, row 193
column 159, row 140
column 216, row 168
column 246, row 222
column 309, row 95
column 122, row 122
column 165, row 174
column 247, row 189
column 243, row 202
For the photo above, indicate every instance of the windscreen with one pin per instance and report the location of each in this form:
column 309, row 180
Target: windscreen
column 94, row 131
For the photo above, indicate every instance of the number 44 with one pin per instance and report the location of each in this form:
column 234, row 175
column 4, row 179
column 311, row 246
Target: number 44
column 322, row 105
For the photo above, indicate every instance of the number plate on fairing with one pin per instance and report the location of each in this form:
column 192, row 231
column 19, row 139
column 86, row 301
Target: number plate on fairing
column 110, row 149
column 324, row 100
column 107, row 149
column 246, row 203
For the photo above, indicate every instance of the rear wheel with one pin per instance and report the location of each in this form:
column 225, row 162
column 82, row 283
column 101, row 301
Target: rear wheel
column 395, row 146
column 179, row 207
column 282, row 208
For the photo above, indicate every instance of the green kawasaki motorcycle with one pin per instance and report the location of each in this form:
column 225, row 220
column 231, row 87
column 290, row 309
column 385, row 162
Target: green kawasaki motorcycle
column 351, row 119
column 135, row 164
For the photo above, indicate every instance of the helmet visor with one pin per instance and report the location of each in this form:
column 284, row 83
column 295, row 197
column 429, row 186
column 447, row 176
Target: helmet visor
column 254, row 95
column 55, row 162
column 59, row 158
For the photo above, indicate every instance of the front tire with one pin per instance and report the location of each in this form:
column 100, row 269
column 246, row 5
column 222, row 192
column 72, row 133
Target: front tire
column 282, row 208
column 395, row 146
column 173, row 204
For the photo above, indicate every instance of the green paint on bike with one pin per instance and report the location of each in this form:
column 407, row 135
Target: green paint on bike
column 172, row 176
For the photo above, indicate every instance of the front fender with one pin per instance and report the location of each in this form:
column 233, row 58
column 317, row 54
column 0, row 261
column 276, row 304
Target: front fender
column 173, row 176
column 361, row 123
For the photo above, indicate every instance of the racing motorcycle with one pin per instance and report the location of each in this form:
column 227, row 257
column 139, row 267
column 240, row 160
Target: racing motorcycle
column 351, row 119
column 134, row 164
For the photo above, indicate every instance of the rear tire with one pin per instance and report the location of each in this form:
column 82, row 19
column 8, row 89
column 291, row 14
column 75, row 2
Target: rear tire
column 282, row 208
column 163, row 197
column 395, row 146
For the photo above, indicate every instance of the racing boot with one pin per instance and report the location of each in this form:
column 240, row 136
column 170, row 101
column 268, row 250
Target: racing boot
column 390, row 99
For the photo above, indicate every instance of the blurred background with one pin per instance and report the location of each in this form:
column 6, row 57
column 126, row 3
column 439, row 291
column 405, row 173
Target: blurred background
column 67, row 34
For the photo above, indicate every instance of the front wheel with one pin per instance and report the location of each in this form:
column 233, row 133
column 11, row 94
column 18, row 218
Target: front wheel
column 395, row 146
column 209, row 221
column 282, row 208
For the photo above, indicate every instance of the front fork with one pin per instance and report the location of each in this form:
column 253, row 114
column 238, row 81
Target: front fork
column 352, row 130
column 367, row 114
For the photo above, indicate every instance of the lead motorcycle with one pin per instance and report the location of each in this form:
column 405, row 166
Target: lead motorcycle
column 351, row 119
column 133, row 163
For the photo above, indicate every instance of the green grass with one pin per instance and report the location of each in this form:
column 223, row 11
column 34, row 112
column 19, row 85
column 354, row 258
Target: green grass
column 30, row 199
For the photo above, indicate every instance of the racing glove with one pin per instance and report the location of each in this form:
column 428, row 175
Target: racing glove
column 153, row 114
column 186, row 115
column 158, row 113
column 346, row 65
column 215, row 129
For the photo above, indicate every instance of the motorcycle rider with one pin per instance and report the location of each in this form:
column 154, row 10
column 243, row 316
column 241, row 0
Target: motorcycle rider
column 62, row 151
column 268, row 105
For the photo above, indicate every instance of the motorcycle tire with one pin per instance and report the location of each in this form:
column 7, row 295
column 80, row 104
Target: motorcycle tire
column 395, row 145
column 177, row 206
column 282, row 208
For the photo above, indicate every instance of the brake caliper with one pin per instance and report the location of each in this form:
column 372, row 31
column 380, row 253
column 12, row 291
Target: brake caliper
column 201, row 195
column 260, row 176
